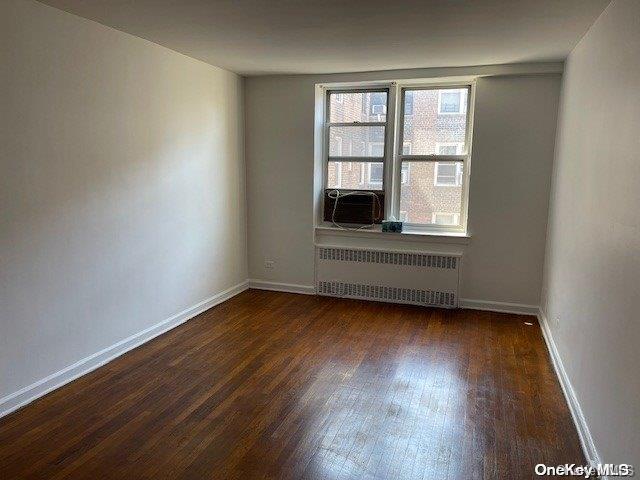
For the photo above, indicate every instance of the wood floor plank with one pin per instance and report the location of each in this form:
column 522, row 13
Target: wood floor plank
column 276, row 385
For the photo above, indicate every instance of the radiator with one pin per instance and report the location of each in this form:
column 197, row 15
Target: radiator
column 419, row 278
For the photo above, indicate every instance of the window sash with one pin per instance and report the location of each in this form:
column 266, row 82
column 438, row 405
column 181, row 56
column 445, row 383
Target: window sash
column 387, row 125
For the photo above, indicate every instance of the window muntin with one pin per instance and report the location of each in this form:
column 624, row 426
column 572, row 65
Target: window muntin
column 430, row 151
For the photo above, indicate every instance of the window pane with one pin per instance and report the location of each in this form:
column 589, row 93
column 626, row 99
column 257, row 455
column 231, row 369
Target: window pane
column 358, row 107
column 355, row 175
column 429, row 125
column 425, row 200
column 356, row 141
column 408, row 102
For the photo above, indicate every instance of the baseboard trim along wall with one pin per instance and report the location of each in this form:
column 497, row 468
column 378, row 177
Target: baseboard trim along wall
column 282, row 287
column 586, row 440
column 56, row 380
column 504, row 307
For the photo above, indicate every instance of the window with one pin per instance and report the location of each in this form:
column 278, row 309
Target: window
column 452, row 102
column 449, row 148
column 408, row 102
column 415, row 155
column 378, row 103
column 376, row 149
column 448, row 174
column 404, row 174
column 353, row 120
column 337, row 173
column 442, row 218
column 375, row 173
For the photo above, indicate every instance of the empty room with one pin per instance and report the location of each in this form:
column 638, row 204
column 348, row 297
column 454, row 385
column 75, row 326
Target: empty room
column 319, row 239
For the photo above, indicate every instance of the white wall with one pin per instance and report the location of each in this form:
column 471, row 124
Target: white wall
column 122, row 197
column 592, row 271
column 515, row 120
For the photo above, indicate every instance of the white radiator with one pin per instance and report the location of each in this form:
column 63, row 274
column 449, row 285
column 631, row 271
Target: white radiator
column 420, row 278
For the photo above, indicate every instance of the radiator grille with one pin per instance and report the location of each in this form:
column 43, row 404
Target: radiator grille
column 387, row 294
column 388, row 258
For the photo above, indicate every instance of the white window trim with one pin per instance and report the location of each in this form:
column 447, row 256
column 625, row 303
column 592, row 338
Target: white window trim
column 393, row 147
column 462, row 110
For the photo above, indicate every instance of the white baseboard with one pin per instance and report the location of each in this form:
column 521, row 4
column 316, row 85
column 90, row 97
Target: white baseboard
column 518, row 308
column 586, row 440
column 282, row 287
column 56, row 380
column 504, row 307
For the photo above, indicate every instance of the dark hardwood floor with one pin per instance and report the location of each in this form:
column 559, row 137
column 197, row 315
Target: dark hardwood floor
column 276, row 385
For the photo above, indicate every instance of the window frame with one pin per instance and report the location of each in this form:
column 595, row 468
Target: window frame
column 393, row 155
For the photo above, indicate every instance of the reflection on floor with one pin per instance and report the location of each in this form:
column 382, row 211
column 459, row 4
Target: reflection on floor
column 276, row 385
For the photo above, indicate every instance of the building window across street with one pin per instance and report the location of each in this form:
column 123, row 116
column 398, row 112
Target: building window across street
column 452, row 102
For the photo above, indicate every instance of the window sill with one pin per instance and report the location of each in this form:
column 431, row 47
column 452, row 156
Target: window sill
column 452, row 238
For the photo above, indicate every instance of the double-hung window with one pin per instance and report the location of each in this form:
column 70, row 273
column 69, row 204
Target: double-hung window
column 410, row 141
column 356, row 129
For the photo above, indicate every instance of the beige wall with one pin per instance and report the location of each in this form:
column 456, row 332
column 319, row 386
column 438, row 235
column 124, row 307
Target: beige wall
column 122, row 198
column 514, row 137
column 592, row 274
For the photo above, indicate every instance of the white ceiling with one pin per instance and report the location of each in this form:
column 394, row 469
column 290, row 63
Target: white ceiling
column 328, row 36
